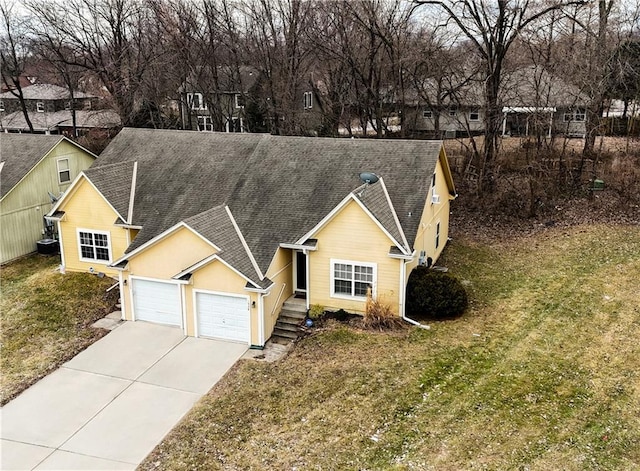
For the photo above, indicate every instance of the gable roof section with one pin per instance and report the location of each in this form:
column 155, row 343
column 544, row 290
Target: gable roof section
column 277, row 188
column 376, row 199
column 115, row 183
column 217, row 226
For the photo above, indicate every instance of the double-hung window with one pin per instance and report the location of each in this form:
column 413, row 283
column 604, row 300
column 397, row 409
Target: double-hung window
column 474, row 115
column 64, row 173
column 205, row 123
column 40, row 107
column 196, row 101
column 308, row 100
column 94, row 246
column 352, row 279
column 427, row 113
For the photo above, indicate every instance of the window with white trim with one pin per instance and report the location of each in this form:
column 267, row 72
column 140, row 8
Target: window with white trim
column 205, row 123
column 40, row 107
column 433, row 180
column 427, row 113
column 308, row 100
column 579, row 115
column 94, row 246
column 474, row 115
column 1, row 105
column 64, row 173
column 239, row 101
column 437, row 235
column 453, row 110
column 352, row 279
column 195, row 101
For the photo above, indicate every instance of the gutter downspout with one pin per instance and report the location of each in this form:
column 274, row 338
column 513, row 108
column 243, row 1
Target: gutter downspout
column 403, row 271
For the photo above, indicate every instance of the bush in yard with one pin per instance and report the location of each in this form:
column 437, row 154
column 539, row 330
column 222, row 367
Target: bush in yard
column 379, row 316
column 434, row 294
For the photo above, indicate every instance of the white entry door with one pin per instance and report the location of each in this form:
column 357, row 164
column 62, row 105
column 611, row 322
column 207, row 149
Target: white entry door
column 223, row 317
column 157, row 301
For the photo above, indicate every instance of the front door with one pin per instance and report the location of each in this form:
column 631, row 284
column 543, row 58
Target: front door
column 301, row 273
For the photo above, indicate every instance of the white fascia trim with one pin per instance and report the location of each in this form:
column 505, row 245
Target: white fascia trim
column 299, row 247
column 206, row 261
column 128, row 226
column 325, row 219
column 159, row 280
column 132, row 195
column 260, row 290
column 161, row 236
column 403, row 249
column 244, row 244
column 55, row 219
column 395, row 215
column 403, row 257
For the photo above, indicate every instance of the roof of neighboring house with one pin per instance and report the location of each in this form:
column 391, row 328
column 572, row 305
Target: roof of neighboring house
column 525, row 87
column 229, row 80
column 19, row 153
column 48, row 121
column 45, row 91
column 277, row 188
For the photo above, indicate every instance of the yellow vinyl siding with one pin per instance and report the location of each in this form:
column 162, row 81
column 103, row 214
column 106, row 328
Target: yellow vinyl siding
column 166, row 258
column 218, row 277
column 170, row 255
column 23, row 208
column 432, row 215
column 352, row 235
column 87, row 209
column 280, row 272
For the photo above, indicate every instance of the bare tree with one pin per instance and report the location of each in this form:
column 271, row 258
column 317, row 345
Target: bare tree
column 492, row 28
column 13, row 54
column 109, row 37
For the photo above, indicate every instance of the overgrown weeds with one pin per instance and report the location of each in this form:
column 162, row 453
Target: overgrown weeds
column 378, row 315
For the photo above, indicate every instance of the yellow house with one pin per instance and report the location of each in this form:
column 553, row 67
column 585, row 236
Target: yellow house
column 222, row 235
column 35, row 169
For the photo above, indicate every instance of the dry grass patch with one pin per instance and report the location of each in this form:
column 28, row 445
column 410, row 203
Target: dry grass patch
column 46, row 319
column 542, row 372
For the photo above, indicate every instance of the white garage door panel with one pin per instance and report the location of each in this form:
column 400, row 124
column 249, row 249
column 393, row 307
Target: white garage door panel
column 158, row 302
column 225, row 317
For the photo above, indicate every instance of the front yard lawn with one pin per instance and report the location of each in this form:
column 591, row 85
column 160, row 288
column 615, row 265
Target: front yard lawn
column 542, row 372
column 46, row 319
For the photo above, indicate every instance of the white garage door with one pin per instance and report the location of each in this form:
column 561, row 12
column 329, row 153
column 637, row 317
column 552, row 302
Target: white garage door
column 223, row 317
column 155, row 301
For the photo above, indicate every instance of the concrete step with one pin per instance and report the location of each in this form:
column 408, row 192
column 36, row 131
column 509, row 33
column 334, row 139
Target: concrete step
column 295, row 306
column 277, row 332
column 287, row 327
column 291, row 319
column 301, row 315
column 280, row 340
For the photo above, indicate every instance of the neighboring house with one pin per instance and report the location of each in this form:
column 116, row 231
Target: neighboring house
column 49, row 108
column 534, row 102
column 212, row 232
column 34, row 170
column 218, row 103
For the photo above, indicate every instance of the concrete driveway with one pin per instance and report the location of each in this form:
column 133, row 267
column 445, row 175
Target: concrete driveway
column 113, row 403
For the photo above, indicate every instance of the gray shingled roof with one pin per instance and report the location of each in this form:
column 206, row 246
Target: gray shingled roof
column 277, row 188
column 45, row 91
column 20, row 153
column 216, row 225
column 48, row 121
column 374, row 199
column 114, row 182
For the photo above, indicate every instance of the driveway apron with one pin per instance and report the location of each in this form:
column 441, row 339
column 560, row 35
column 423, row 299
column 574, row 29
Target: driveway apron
column 109, row 406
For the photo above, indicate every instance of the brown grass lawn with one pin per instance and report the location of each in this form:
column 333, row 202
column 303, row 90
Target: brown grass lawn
column 542, row 372
column 46, row 319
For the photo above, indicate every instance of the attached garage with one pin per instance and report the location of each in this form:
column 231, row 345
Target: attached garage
column 156, row 301
column 223, row 317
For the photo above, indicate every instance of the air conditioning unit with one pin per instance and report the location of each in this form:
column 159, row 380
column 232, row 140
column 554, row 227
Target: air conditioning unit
column 435, row 199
